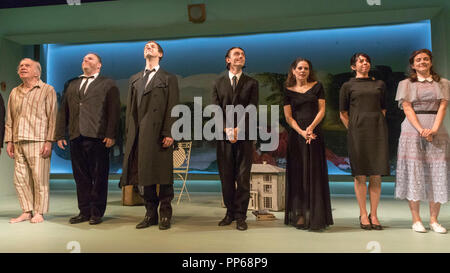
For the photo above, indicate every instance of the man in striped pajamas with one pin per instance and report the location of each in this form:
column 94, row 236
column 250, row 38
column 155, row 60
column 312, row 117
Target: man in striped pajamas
column 29, row 133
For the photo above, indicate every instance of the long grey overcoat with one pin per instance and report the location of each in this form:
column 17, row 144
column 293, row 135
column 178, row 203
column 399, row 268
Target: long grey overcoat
column 145, row 161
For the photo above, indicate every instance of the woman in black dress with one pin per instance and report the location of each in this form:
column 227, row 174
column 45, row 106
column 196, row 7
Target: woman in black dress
column 308, row 203
column 362, row 111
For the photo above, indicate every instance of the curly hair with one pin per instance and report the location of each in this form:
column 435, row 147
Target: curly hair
column 412, row 71
column 291, row 80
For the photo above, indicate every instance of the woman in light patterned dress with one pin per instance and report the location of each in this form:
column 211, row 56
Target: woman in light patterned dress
column 423, row 165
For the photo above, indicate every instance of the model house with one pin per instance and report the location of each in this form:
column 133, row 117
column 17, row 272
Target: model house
column 267, row 187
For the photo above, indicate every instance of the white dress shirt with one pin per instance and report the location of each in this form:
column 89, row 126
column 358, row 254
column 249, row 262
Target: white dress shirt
column 231, row 75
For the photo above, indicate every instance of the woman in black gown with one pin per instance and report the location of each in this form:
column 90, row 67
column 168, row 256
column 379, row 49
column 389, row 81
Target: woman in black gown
column 362, row 110
column 308, row 203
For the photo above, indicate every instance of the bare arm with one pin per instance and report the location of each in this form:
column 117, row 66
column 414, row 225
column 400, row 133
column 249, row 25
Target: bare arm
column 439, row 117
column 344, row 118
column 411, row 116
column 319, row 117
column 290, row 120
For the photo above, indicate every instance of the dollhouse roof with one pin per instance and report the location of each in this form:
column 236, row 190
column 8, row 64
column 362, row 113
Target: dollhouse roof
column 266, row 168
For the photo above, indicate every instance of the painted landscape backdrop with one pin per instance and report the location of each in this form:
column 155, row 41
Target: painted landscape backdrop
column 197, row 62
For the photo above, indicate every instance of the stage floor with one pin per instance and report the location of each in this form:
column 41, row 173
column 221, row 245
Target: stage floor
column 195, row 229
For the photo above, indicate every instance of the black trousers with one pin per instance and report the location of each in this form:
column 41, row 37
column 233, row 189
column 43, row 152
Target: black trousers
column 152, row 200
column 90, row 164
column 235, row 163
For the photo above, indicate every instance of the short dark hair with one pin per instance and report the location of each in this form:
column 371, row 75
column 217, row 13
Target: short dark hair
column 160, row 49
column 228, row 53
column 413, row 73
column 96, row 55
column 357, row 55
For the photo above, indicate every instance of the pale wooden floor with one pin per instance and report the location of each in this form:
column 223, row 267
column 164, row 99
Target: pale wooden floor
column 195, row 229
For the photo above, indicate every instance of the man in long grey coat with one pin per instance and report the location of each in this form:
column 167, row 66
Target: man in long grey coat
column 148, row 158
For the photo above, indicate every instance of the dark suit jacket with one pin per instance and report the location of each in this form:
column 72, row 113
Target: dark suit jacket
column 96, row 114
column 246, row 94
column 2, row 121
column 147, row 125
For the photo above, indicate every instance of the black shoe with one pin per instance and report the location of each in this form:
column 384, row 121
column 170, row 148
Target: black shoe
column 376, row 227
column 226, row 221
column 241, row 224
column 95, row 220
column 164, row 223
column 366, row 227
column 148, row 221
column 79, row 219
column 301, row 226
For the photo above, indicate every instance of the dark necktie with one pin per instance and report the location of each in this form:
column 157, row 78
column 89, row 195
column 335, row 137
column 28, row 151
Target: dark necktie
column 234, row 84
column 145, row 79
column 147, row 75
column 84, row 86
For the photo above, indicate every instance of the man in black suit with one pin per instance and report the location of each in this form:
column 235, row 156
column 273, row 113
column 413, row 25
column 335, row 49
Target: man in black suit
column 148, row 159
column 91, row 110
column 235, row 153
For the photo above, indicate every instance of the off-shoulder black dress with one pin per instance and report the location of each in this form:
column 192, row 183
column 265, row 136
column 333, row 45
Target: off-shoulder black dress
column 307, row 189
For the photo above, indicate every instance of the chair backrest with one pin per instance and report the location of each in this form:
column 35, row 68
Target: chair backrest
column 182, row 155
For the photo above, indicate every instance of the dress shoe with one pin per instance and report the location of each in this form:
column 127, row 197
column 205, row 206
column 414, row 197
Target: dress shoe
column 148, row 221
column 436, row 227
column 375, row 227
column 301, row 223
column 226, row 221
column 301, row 226
column 95, row 220
column 164, row 223
column 79, row 219
column 366, row 227
column 241, row 224
column 418, row 227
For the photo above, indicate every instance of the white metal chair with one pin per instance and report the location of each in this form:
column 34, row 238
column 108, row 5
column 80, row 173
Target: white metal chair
column 181, row 158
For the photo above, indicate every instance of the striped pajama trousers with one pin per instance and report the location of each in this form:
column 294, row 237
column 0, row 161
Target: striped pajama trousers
column 31, row 176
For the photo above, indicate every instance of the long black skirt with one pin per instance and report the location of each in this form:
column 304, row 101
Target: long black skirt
column 307, row 188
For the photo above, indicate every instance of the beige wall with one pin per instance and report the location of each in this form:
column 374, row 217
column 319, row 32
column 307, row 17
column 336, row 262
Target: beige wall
column 10, row 54
column 440, row 32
